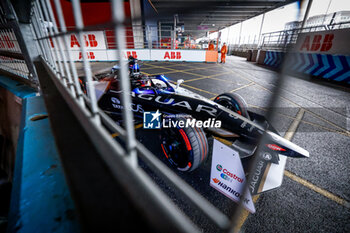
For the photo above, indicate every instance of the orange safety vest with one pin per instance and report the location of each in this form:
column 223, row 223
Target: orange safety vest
column 211, row 47
column 224, row 49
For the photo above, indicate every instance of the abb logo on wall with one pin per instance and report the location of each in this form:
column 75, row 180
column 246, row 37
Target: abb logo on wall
column 92, row 40
column 172, row 55
column 317, row 42
column 176, row 55
column 324, row 42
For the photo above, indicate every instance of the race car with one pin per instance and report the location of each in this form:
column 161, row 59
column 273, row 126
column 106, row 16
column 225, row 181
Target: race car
column 185, row 145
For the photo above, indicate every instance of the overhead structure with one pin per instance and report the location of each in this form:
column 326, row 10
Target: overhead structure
column 210, row 15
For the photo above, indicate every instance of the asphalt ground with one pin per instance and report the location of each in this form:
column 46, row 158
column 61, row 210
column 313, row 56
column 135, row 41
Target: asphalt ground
column 315, row 194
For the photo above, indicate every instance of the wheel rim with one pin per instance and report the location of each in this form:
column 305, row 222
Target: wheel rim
column 174, row 148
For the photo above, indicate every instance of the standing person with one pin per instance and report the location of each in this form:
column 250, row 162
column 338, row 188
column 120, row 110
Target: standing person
column 211, row 46
column 223, row 53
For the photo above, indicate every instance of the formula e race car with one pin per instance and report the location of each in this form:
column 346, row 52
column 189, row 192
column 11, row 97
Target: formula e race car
column 188, row 120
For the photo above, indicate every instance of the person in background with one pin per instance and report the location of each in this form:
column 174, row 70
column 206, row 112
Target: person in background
column 223, row 53
column 211, row 46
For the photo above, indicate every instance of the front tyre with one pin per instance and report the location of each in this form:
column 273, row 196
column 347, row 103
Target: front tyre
column 233, row 102
column 184, row 148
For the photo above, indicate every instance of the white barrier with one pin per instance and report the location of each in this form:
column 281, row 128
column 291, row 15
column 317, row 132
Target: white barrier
column 177, row 55
column 144, row 54
column 96, row 47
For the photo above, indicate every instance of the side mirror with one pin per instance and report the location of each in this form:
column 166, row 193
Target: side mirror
column 178, row 83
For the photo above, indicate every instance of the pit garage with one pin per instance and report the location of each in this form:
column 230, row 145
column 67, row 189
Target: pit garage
column 75, row 158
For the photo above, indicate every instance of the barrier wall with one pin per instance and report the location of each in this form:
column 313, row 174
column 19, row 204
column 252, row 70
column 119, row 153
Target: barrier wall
column 322, row 54
column 332, row 67
column 97, row 49
column 149, row 55
column 273, row 59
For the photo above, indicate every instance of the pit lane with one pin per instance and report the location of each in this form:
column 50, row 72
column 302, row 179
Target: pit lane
column 315, row 194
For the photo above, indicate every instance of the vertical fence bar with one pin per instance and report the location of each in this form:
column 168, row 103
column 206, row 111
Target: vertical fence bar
column 118, row 19
column 39, row 18
column 38, row 34
column 90, row 86
column 59, row 40
column 55, row 41
column 63, row 28
column 39, row 44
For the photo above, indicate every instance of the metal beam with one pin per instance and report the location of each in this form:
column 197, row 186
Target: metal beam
column 187, row 4
column 219, row 18
column 306, row 15
column 221, row 1
column 222, row 10
column 218, row 13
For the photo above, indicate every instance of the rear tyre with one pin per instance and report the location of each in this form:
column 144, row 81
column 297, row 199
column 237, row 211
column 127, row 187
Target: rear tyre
column 233, row 102
column 184, row 148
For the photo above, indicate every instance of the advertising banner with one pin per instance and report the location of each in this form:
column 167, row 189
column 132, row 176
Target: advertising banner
column 92, row 55
column 95, row 43
column 334, row 42
column 93, row 40
column 177, row 55
column 227, row 174
column 141, row 54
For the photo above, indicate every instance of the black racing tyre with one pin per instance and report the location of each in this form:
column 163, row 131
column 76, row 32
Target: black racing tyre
column 233, row 102
column 184, row 148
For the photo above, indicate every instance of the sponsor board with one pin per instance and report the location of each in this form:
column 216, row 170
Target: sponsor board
column 227, row 174
column 177, row 55
column 160, row 55
column 92, row 40
column 92, row 55
column 324, row 42
column 95, row 43
column 141, row 54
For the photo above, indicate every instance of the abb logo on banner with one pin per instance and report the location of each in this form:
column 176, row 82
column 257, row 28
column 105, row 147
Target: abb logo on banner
column 172, row 55
column 5, row 42
column 131, row 53
column 90, row 41
column 319, row 43
column 90, row 55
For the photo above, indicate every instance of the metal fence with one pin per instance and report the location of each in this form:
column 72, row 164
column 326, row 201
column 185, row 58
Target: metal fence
column 11, row 56
column 282, row 40
column 121, row 160
column 150, row 37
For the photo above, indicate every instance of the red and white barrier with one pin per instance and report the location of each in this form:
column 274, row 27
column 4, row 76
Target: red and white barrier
column 145, row 54
column 95, row 43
